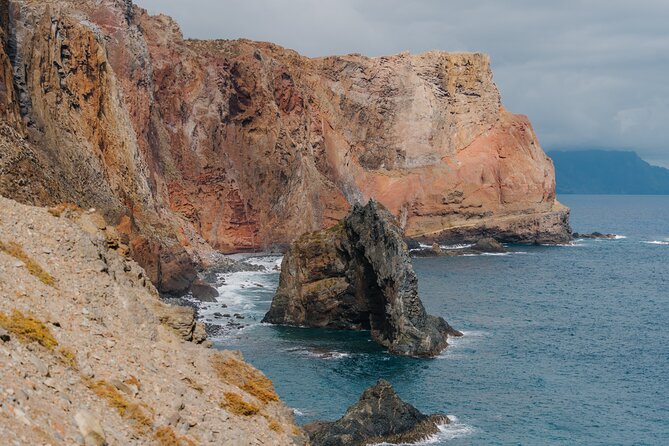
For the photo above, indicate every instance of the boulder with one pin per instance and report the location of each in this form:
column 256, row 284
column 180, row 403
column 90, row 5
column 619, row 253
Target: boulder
column 358, row 276
column 182, row 320
column 202, row 291
column 90, row 429
column 4, row 335
column 380, row 416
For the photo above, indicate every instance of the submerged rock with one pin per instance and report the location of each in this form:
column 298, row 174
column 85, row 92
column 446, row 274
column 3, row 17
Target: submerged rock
column 379, row 416
column 358, row 276
column 593, row 235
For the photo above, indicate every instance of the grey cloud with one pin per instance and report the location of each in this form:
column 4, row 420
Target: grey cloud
column 588, row 73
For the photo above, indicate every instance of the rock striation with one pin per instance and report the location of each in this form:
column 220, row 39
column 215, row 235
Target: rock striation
column 380, row 416
column 358, row 276
column 194, row 146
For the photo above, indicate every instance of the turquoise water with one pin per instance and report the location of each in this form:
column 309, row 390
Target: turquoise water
column 563, row 345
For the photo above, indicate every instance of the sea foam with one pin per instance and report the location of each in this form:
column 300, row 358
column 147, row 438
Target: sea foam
column 448, row 431
column 656, row 242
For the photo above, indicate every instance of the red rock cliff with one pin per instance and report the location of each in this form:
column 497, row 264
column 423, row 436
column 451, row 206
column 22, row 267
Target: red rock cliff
column 241, row 145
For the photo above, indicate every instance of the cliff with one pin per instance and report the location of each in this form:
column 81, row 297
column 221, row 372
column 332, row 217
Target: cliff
column 89, row 354
column 191, row 146
column 358, row 276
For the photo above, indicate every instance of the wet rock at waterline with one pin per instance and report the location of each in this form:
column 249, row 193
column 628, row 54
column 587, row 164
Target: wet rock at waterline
column 203, row 292
column 593, row 235
column 488, row 244
column 358, row 276
column 485, row 245
column 380, row 416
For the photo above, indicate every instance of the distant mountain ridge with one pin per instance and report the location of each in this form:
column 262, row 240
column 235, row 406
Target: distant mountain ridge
column 607, row 172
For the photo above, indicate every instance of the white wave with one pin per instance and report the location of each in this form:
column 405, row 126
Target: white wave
column 298, row 412
column 456, row 343
column 656, row 242
column 575, row 244
column 446, row 247
column 494, row 254
column 270, row 262
column 320, row 354
column 454, row 429
column 458, row 246
column 619, row 237
column 448, row 431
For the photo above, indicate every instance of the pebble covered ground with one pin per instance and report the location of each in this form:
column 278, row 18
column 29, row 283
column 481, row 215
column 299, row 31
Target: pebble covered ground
column 90, row 355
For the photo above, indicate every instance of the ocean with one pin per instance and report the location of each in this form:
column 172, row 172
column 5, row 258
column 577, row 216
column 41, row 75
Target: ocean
column 562, row 345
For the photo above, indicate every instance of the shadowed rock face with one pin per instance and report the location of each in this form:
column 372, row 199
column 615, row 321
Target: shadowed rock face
column 239, row 145
column 379, row 416
column 358, row 276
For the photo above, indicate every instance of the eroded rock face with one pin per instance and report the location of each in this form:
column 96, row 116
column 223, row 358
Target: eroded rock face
column 239, row 145
column 380, row 416
column 358, row 276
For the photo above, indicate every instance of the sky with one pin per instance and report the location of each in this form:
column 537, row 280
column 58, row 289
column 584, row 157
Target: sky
column 588, row 73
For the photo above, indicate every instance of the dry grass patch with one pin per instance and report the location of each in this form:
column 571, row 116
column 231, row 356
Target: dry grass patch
column 68, row 357
column 125, row 408
column 238, row 373
column 133, row 381
column 235, row 404
column 165, row 436
column 28, row 329
column 15, row 250
column 275, row 426
column 59, row 209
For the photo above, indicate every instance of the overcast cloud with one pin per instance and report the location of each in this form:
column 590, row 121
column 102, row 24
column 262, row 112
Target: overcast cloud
column 590, row 74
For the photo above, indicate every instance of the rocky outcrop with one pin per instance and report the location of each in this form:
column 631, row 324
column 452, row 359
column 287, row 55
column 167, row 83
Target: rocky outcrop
column 380, row 416
column 358, row 276
column 488, row 244
column 239, row 145
column 89, row 354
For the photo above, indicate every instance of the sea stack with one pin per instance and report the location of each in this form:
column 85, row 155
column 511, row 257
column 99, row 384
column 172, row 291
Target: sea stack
column 358, row 276
column 380, row 416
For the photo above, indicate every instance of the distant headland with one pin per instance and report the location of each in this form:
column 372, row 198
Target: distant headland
column 607, row 172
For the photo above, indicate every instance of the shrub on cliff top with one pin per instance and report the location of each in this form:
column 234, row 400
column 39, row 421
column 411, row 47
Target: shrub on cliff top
column 15, row 250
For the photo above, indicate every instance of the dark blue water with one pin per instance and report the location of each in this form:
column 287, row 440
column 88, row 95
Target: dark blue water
column 563, row 345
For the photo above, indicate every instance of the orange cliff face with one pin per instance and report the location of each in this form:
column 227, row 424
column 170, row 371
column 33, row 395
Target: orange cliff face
column 240, row 145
